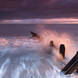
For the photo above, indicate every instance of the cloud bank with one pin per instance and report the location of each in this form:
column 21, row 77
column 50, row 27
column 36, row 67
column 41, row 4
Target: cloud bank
column 38, row 8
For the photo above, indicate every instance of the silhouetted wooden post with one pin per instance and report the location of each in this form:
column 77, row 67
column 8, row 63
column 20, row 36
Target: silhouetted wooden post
column 62, row 50
column 51, row 44
column 71, row 66
column 35, row 35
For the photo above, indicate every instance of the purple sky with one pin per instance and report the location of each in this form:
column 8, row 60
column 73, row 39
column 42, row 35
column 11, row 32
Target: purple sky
column 15, row 15
column 10, row 9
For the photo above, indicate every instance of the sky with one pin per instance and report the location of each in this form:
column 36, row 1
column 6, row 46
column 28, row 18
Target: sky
column 37, row 12
column 25, row 9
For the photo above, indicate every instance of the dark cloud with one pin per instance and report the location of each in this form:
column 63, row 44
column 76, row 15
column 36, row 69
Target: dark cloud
column 38, row 8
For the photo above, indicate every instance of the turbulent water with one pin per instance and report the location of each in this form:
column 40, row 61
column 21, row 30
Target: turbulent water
column 29, row 58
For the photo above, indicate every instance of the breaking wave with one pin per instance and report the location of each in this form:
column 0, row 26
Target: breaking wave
column 28, row 58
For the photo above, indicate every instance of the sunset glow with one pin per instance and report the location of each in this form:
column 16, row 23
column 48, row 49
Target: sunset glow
column 41, row 21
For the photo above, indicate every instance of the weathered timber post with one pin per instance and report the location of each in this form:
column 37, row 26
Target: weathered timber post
column 62, row 50
column 71, row 66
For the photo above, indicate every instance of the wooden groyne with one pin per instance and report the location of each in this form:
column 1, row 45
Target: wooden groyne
column 72, row 66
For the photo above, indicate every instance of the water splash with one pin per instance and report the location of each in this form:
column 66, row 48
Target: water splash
column 28, row 58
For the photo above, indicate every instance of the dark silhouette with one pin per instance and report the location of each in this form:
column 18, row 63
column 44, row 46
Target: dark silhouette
column 62, row 50
column 52, row 44
column 35, row 35
column 71, row 66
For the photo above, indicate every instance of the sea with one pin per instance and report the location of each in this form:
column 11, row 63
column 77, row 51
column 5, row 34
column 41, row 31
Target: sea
column 24, row 56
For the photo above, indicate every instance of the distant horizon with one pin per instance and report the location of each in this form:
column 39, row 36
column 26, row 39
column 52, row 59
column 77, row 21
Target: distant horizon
column 40, row 21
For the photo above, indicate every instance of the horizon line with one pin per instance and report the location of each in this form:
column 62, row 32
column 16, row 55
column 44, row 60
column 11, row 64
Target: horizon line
column 40, row 21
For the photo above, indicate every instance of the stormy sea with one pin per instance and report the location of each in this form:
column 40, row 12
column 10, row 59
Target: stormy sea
column 22, row 56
